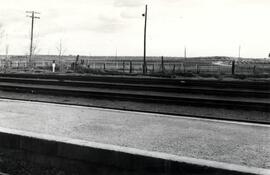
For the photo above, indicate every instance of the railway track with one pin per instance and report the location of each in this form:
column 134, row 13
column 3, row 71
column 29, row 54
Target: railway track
column 229, row 94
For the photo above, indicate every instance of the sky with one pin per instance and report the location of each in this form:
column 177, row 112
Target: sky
column 116, row 27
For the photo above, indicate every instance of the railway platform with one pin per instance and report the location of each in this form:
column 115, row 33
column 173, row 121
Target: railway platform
column 236, row 144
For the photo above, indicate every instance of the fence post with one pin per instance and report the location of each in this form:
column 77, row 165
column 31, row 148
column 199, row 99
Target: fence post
column 130, row 67
column 123, row 66
column 162, row 64
column 183, row 67
column 153, row 68
column 254, row 69
column 233, row 67
column 144, row 68
column 197, row 69
column 104, row 66
column 174, row 68
column 76, row 62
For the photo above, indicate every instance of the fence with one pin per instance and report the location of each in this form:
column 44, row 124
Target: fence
column 153, row 66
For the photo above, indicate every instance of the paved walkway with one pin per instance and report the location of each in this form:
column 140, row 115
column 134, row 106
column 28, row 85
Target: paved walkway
column 238, row 143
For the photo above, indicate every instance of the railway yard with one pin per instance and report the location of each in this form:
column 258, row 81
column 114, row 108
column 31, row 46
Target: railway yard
column 210, row 121
column 134, row 87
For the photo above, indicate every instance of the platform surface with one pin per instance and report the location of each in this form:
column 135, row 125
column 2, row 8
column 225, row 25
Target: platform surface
column 231, row 142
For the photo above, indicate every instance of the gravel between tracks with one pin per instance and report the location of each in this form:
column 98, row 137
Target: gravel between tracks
column 149, row 107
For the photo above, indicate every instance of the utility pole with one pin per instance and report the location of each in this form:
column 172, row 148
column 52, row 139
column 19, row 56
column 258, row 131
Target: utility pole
column 7, row 48
column 6, row 58
column 185, row 53
column 239, row 51
column 32, row 31
column 60, row 52
column 144, row 50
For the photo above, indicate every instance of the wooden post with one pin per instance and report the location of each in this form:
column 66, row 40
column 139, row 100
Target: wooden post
column 104, row 66
column 183, row 67
column 76, row 62
column 33, row 16
column 130, row 67
column 123, row 66
column 144, row 50
column 162, row 64
column 254, row 69
column 233, row 67
column 197, row 69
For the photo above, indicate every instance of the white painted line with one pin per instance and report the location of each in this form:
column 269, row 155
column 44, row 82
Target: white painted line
column 144, row 113
column 134, row 151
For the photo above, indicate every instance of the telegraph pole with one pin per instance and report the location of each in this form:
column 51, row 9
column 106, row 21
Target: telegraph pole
column 239, row 51
column 7, row 48
column 144, row 50
column 32, row 31
column 185, row 53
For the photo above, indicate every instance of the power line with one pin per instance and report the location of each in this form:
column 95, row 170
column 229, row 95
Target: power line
column 32, row 16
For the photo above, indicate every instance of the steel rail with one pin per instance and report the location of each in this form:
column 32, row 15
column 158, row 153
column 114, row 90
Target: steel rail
column 257, row 85
column 142, row 97
column 252, row 95
column 145, row 87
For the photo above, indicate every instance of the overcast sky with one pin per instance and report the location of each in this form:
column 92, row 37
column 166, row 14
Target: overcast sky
column 107, row 27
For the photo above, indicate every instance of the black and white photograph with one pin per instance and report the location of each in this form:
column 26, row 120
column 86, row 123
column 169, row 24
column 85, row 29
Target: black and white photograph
column 134, row 87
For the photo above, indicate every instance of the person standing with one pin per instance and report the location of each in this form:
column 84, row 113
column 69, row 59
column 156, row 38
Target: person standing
column 53, row 66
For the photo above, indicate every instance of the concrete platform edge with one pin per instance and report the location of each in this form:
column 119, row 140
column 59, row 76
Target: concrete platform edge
column 116, row 156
